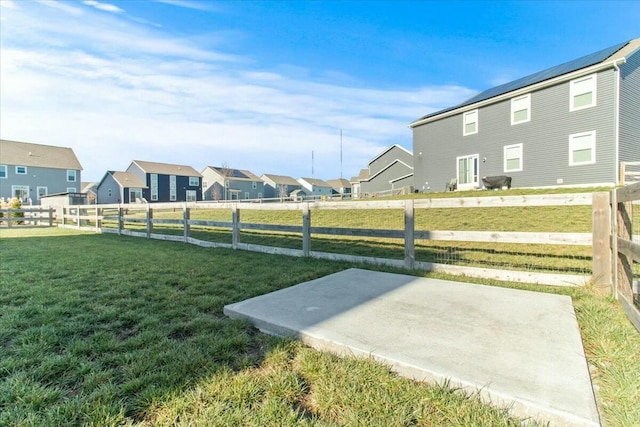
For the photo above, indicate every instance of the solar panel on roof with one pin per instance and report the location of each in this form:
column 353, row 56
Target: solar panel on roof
column 558, row 70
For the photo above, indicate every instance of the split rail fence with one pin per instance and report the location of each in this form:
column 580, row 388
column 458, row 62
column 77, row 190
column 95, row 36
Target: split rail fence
column 27, row 217
column 398, row 233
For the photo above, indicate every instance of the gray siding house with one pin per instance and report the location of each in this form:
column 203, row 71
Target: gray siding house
column 569, row 125
column 222, row 183
column 279, row 186
column 164, row 182
column 31, row 171
column 120, row 187
column 390, row 170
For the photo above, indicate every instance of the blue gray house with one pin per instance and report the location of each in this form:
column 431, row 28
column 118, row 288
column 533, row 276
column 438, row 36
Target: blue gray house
column 120, row 187
column 569, row 125
column 31, row 171
column 223, row 183
column 164, row 182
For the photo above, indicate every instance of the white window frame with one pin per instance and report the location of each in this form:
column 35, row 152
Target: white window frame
column 46, row 191
column 578, row 139
column 72, row 190
column 194, row 181
column 173, row 188
column 465, row 122
column 133, row 192
column 520, row 157
column 18, row 170
column 254, row 185
column 23, row 188
column 522, row 103
column 6, row 172
column 574, row 91
column 246, row 195
column 153, row 183
column 74, row 173
column 191, row 196
column 109, row 192
column 475, row 180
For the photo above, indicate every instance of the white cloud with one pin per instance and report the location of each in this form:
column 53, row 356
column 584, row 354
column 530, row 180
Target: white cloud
column 103, row 6
column 130, row 100
column 197, row 5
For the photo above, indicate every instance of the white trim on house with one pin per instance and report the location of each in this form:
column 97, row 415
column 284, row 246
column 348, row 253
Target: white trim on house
column 520, row 157
column 518, row 105
column 470, row 122
column 4, row 175
column 582, row 142
column 531, row 88
column 39, row 188
column 194, row 181
column 400, row 178
column 474, row 174
column 583, row 91
column 386, row 150
column 384, row 169
column 74, row 173
column 24, row 170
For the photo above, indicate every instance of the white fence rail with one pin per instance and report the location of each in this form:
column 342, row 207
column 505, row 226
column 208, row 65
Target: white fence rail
column 146, row 221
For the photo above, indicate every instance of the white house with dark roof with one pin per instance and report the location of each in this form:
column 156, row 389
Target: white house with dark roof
column 569, row 125
column 224, row 183
column 120, row 187
column 166, row 182
column 315, row 187
column 30, row 171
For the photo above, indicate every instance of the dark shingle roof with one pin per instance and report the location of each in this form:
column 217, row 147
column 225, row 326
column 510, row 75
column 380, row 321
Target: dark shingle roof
column 549, row 73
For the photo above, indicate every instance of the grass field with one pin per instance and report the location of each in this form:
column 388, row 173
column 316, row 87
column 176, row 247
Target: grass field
column 105, row 330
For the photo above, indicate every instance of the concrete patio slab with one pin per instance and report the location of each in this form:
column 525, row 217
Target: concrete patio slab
column 516, row 348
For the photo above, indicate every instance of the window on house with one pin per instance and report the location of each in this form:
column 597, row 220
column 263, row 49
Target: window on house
column 521, row 109
column 582, row 148
column 194, row 181
column 254, row 185
column 154, row 186
column 3, row 171
column 21, row 170
column 467, row 172
column 470, row 122
column 246, row 194
column 109, row 192
column 259, row 195
column 583, row 92
column 20, row 192
column 191, row 196
column 42, row 191
column 71, row 189
column 205, row 184
column 71, row 175
column 513, row 158
column 173, row 189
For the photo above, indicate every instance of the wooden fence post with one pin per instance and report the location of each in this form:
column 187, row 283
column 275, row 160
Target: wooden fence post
column 306, row 229
column 187, row 227
column 120, row 220
column 149, row 221
column 625, row 273
column 9, row 217
column 623, row 172
column 601, row 259
column 50, row 216
column 409, row 233
column 235, row 228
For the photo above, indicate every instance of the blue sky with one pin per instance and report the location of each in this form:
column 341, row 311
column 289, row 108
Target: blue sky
column 259, row 85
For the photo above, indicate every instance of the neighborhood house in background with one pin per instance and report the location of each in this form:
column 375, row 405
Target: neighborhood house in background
column 389, row 171
column 151, row 182
column 279, row 186
column 224, row 183
column 569, row 125
column 31, row 171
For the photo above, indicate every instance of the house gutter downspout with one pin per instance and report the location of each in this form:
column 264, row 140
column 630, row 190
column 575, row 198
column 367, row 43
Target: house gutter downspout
column 616, row 117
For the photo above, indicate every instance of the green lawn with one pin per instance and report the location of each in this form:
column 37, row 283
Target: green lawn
column 106, row 330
